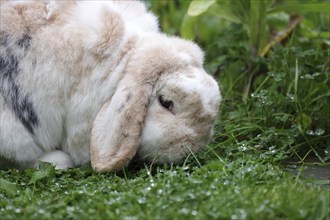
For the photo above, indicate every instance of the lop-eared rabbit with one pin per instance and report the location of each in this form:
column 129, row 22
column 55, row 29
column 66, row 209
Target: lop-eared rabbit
column 97, row 82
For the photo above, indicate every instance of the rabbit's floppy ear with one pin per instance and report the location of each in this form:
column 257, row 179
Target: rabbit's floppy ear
column 118, row 126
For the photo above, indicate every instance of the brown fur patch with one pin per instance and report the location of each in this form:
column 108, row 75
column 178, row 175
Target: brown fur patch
column 111, row 33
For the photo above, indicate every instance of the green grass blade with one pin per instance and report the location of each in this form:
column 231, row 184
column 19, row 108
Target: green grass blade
column 8, row 187
column 187, row 27
column 224, row 11
column 257, row 26
column 302, row 8
column 198, row 7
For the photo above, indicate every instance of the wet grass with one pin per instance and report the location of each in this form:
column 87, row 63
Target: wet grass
column 246, row 188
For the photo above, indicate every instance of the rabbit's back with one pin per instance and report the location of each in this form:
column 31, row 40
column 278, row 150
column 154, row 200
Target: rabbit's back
column 29, row 98
column 57, row 68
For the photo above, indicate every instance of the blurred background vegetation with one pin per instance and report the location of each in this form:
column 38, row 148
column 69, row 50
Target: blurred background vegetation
column 271, row 59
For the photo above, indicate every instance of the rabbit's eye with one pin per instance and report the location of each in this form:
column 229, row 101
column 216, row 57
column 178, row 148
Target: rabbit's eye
column 166, row 103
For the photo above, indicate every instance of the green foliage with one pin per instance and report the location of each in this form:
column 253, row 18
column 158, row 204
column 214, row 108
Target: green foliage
column 246, row 188
column 272, row 62
column 288, row 109
column 297, row 7
column 170, row 17
column 44, row 171
column 7, row 187
column 254, row 16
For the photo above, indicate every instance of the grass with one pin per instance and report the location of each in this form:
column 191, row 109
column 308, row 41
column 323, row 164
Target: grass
column 281, row 116
column 247, row 188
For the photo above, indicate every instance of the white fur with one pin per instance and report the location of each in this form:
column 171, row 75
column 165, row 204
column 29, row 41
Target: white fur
column 93, row 72
column 58, row 158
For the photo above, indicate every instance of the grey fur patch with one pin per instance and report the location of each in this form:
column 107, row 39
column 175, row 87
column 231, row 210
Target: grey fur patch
column 25, row 42
column 3, row 38
column 129, row 96
column 14, row 98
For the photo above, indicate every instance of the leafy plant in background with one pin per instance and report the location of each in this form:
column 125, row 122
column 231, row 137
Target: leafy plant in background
column 171, row 13
column 273, row 64
column 265, row 22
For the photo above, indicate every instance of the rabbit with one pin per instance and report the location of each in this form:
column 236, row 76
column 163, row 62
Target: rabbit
column 97, row 82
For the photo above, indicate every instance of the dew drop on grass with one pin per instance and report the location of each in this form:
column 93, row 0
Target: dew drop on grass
column 184, row 211
column 142, row 200
column 307, row 76
column 316, row 132
column 239, row 214
column 130, row 218
column 174, row 173
column 277, row 76
column 70, row 209
column 291, row 97
column 226, row 182
column 192, row 195
column 111, row 201
column 117, row 211
column 272, row 148
column 260, row 208
column 178, row 199
column 242, row 148
column 160, row 191
column 9, row 207
column 319, row 132
column 302, row 213
column 261, row 98
column 248, row 169
column 194, row 212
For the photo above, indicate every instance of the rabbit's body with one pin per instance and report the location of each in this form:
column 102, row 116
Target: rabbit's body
column 61, row 66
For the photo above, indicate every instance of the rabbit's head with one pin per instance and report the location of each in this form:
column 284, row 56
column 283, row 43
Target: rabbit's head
column 163, row 109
